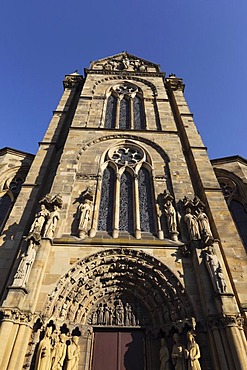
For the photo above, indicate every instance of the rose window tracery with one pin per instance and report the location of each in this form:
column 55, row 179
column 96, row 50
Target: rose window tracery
column 126, row 156
column 125, row 89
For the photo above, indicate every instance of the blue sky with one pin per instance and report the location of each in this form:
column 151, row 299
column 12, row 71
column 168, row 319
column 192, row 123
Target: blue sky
column 202, row 41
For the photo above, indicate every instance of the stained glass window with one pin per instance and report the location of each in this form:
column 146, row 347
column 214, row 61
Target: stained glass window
column 126, row 219
column 124, row 115
column 107, row 200
column 139, row 123
column 5, row 204
column 110, row 116
column 146, row 201
column 239, row 215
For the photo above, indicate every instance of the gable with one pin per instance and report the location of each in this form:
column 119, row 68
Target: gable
column 124, row 62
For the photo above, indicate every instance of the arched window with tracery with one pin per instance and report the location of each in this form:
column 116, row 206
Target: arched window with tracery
column 105, row 222
column 125, row 108
column 127, row 196
column 8, row 197
column 232, row 194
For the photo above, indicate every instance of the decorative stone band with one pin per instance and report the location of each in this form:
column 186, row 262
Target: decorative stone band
column 223, row 321
column 17, row 316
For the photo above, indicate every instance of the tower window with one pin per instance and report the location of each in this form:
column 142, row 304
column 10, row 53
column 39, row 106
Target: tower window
column 125, row 108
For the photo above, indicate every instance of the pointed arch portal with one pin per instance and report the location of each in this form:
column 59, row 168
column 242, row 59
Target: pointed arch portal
column 122, row 296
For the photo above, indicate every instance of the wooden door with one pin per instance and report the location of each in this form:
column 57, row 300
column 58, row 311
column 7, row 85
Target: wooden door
column 118, row 350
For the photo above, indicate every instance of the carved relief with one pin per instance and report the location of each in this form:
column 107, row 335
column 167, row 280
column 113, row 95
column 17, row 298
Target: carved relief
column 197, row 222
column 125, row 62
column 225, row 321
column 118, row 313
column 120, row 287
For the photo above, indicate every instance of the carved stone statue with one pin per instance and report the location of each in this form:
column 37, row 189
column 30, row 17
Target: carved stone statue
column 83, row 216
column 24, row 269
column 215, row 271
column 43, row 358
column 59, row 353
column 192, row 353
column 171, row 216
column 204, row 226
column 178, row 354
column 221, row 283
column 38, row 224
column 51, row 224
column 192, row 225
column 164, row 356
column 73, row 353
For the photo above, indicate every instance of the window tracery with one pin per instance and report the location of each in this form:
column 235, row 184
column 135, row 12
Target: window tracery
column 125, row 108
column 127, row 201
column 232, row 193
column 106, row 202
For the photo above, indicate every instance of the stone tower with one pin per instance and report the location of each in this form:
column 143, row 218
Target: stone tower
column 120, row 250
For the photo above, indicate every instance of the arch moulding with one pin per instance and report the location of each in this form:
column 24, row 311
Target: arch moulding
column 134, row 280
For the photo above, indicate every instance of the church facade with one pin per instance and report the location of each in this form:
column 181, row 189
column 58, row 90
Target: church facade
column 122, row 245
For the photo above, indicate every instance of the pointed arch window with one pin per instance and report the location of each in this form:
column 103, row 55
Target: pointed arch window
column 127, row 197
column 231, row 190
column 239, row 215
column 110, row 116
column 125, row 108
column 105, row 221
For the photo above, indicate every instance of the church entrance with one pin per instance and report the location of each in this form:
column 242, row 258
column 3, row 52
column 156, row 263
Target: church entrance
column 119, row 350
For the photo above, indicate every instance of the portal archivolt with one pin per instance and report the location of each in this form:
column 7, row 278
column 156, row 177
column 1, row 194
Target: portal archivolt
column 120, row 287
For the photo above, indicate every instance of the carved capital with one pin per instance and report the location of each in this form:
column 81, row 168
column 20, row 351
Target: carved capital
column 17, row 316
column 223, row 321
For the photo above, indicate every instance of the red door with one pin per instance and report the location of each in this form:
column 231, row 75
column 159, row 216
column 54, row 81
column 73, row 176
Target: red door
column 121, row 350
